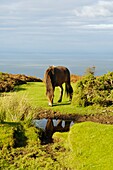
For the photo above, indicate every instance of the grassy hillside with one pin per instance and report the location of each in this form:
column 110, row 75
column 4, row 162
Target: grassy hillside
column 90, row 146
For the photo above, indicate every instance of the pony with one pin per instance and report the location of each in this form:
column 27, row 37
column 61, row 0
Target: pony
column 56, row 76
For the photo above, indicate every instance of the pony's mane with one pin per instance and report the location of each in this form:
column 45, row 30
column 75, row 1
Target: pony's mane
column 50, row 68
column 48, row 79
column 49, row 71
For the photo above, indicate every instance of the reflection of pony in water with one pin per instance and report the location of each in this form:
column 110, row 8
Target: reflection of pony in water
column 56, row 76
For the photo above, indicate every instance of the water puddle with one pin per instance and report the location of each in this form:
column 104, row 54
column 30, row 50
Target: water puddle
column 50, row 126
column 51, row 122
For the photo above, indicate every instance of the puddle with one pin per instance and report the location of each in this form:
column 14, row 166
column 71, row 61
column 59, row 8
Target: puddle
column 50, row 122
column 50, row 126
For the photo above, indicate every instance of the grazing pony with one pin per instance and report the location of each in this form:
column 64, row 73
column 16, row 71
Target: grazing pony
column 56, row 76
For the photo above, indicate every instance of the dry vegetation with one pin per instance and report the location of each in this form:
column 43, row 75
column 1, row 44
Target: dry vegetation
column 9, row 81
column 75, row 78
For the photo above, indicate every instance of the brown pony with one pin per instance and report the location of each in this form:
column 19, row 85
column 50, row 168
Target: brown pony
column 56, row 76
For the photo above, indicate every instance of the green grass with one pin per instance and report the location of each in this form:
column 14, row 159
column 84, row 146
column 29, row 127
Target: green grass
column 20, row 149
column 6, row 137
column 90, row 146
column 36, row 95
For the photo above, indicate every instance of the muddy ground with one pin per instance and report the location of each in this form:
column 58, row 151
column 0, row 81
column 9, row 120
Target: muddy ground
column 77, row 118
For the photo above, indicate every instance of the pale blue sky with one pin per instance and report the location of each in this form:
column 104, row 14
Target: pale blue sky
column 63, row 26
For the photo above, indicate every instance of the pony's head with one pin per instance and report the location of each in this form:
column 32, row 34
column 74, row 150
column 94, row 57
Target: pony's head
column 49, row 85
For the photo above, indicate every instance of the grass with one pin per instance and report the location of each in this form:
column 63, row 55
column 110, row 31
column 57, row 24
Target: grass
column 16, row 153
column 36, row 95
column 17, row 143
column 90, row 146
column 6, row 138
column 86, row 146
column 15, row 108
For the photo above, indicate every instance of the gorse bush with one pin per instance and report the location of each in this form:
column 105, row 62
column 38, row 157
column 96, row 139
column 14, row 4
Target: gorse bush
column 92, row 90
column 15, row 108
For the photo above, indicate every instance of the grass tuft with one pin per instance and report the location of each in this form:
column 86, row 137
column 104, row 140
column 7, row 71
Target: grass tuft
column 15, row 108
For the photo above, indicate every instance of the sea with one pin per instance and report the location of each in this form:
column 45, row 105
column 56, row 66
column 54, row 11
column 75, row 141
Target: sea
column 35, row 64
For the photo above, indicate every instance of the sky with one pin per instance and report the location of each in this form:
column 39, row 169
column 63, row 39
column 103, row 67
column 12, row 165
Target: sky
column 56, row 26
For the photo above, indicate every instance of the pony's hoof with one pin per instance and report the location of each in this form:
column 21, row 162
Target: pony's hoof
column 50, row 104
column 59, row 101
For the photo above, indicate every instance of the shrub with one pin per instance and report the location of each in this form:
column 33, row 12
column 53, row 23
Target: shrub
column 94, row 90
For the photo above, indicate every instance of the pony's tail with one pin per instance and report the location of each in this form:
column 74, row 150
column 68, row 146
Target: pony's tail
column 69, row 90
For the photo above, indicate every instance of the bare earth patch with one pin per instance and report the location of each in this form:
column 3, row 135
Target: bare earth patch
column 50, row 114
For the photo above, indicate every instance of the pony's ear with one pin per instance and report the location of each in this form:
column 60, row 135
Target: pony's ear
column 52, row 70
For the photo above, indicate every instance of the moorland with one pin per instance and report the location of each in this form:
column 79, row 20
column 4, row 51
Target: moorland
column 88, row 143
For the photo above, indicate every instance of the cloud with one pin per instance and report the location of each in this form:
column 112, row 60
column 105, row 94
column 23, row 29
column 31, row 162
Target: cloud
column 48, row 18
column 53, row 24
column 99, row 9
column 100, row 26
column 7, row 29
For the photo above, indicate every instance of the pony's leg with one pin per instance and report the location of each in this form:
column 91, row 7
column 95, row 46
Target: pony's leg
column 50, row 103
column 61, row 93
column 71, row 92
